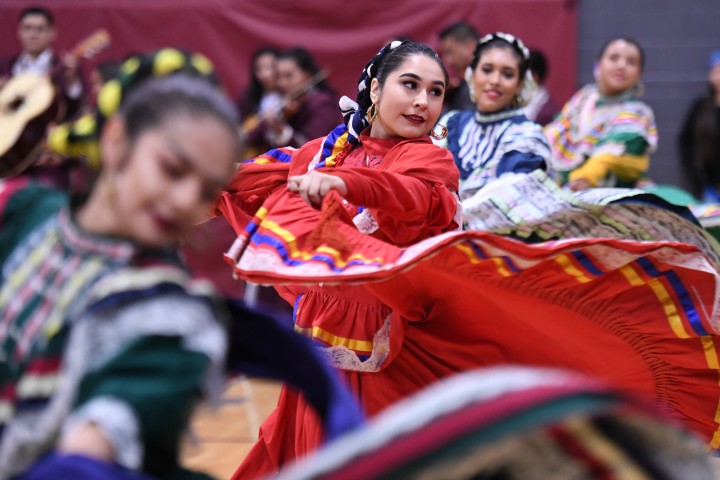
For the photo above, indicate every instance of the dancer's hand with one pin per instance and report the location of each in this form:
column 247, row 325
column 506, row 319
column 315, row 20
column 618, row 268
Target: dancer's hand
column 313, row 186
column 579, row 184
column 89, row 440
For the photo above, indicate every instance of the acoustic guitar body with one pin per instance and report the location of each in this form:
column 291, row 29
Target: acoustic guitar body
column 28, row 104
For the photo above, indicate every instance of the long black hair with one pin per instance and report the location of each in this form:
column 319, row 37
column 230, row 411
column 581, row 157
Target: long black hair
column 699, row 143
column 305, row 61
column 251, row 100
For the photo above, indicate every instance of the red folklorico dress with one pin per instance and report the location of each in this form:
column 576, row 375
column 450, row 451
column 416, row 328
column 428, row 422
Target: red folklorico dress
column 399, row 298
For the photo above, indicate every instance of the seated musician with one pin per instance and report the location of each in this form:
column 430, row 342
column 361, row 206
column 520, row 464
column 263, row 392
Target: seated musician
column 309, row 107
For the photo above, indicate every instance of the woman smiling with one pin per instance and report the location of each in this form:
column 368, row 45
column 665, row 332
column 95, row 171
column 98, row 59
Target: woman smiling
column 495, row 138
column 604, row 134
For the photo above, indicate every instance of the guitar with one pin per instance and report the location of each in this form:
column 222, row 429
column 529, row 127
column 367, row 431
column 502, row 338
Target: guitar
column 29, row 102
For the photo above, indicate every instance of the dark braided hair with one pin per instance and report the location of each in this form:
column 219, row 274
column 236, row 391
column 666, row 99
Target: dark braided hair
column 346, row 135
column 386, row 61
column 503, row 40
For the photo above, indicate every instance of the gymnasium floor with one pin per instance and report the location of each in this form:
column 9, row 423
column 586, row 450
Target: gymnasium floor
column 220, row 439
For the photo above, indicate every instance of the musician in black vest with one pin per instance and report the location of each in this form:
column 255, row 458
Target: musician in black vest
column 36, row 33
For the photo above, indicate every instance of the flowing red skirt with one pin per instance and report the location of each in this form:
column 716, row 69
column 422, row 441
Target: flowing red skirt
column 641, row 316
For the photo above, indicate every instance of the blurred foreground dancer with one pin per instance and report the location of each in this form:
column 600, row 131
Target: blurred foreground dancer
column 107, row 344
column 513, row 423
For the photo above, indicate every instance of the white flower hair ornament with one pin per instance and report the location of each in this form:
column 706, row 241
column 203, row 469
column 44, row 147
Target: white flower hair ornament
column 509, row 38
column 529, row 85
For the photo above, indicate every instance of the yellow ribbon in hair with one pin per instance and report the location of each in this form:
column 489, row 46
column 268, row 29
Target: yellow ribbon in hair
column 109, row 97
column 130, row 65
column 85, row 144
column 201, row 63
column 59, row 140
column 168, row 60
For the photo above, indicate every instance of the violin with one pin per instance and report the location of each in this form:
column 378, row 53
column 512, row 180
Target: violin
column 286, row 107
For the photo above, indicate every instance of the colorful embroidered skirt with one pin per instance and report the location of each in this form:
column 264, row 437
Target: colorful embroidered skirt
column 640, row 315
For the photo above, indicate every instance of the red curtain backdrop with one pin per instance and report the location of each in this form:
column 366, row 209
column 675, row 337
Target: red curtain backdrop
column 342, row 34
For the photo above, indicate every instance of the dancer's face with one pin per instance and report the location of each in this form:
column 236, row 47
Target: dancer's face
column 166, row 181
column 290, row 76
column 410, row 101
column 619, row 68
column 496, row 79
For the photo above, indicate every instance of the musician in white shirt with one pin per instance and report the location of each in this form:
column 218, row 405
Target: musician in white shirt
column 36, row 34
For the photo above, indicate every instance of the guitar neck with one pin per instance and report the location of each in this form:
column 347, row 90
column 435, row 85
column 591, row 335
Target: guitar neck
column 86, row 49
column 91, row 45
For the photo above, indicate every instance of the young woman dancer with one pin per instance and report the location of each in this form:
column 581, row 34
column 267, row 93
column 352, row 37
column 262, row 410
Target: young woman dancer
column 604, row 135
column 352, row 236
column 107, row 344
column 397, row 186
